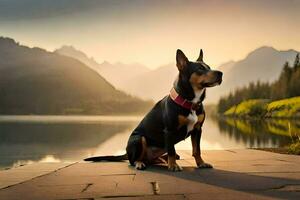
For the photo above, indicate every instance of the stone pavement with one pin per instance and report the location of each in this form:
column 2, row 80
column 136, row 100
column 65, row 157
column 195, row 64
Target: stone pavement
column 237, row 174
column 20, row 174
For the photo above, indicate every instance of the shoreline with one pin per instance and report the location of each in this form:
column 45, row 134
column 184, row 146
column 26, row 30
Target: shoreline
column 280, row 150
column 69, row 118
column 222, row 116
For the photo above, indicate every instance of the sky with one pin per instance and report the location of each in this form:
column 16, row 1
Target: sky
column 150, row 31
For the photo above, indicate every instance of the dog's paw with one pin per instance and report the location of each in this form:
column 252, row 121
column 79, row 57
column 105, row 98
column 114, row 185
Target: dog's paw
column 139, row 165
column 204, row 165
column 174, row 167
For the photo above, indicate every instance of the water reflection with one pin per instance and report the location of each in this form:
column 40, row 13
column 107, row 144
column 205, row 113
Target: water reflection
column 26, row 139
column 25, row 142
column 260, row 133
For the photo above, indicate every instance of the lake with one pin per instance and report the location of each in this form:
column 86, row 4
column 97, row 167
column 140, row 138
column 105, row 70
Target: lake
column 28, row 139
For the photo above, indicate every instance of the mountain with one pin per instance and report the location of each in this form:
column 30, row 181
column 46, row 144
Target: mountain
column 79, row 55
column 135, row 79
column 226, row 67
column 34, row 81
column 154, row 84
column 264, row 64
column 117, row 73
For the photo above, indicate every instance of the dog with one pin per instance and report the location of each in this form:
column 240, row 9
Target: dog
column 174, row 118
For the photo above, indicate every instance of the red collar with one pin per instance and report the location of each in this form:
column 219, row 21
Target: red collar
column 182, row 101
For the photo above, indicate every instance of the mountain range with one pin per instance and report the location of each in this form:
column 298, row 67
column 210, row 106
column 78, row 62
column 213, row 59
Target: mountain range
column 35, row 81
column 264, row 64
column 117, row 73
column 135, row 79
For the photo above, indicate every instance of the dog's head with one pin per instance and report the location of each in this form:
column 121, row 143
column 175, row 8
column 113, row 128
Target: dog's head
column 197, row 74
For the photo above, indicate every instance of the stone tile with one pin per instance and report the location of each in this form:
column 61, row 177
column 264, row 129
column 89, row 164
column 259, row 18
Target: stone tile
column 96, row 169
column 225, row 194
column 258, row 166
column 243, row 174
column 31, row 192
column 291, row 175
column 27, row 172
column 150, row 197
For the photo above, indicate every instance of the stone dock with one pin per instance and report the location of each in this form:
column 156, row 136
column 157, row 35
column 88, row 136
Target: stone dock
column 237, row 174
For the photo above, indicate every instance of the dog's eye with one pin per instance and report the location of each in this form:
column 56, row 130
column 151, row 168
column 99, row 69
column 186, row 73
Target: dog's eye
column 200, row 72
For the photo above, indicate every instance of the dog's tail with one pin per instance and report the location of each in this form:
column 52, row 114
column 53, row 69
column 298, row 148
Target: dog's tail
column 107, row 158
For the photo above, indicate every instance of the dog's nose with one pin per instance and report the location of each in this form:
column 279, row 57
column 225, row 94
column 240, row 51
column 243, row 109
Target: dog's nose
column 219, row 74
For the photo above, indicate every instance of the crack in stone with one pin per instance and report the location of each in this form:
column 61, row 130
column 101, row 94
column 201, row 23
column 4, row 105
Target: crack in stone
column 117, row 174
column 284, row 160
column 284, row 187
column 231, row 151
column 146, row 195
column 78, row 199
column 86, row 187
column 133, row 178
column 277, row 172
column 56, row 170
column 155, row 188
column 120, row 196
column 288, row 188
column 116, row 185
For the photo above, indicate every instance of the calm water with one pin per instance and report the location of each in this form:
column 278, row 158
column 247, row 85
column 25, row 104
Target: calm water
column 27, row 139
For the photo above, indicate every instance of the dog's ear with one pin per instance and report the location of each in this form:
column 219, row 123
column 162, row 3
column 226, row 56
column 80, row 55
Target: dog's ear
column 200, row 58
column 181, row 60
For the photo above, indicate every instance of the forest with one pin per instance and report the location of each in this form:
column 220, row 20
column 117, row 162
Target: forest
column 286, row 86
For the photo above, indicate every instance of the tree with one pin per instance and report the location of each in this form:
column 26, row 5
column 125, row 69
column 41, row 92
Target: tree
column 287, row 85
column 296, row 62
column 294, row 84
column 280, row 87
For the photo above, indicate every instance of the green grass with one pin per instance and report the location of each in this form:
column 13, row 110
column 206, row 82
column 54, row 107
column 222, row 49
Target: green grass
column 294, row 148
column 231, row 111
column 251, row 108
column 285, row 108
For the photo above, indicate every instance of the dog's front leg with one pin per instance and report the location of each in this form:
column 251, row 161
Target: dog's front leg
column 170, row 147
column 196, row 137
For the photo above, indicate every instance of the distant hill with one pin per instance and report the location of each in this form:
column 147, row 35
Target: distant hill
column 135, row 79
column 226, row 67
column 117, row 73
column 34, row 81
column 154, row 84
column 264, row 63
column 74, row 53
column 285, row 86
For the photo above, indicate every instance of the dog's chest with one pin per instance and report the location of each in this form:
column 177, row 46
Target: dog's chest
column 198, row 94
column 192, row 118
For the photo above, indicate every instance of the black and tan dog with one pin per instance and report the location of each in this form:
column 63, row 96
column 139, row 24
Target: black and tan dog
column 174, row 118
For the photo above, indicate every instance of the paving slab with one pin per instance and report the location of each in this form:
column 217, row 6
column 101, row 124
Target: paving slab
column 237, row 174
column 20, row 174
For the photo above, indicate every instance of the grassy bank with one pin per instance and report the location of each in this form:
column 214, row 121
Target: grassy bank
column 261, row 108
